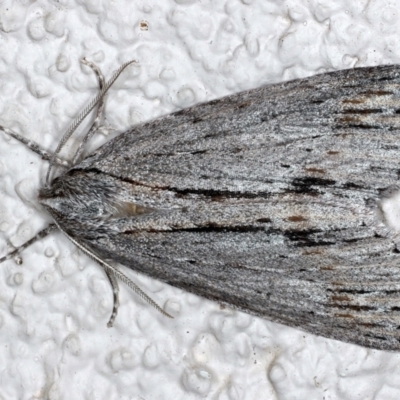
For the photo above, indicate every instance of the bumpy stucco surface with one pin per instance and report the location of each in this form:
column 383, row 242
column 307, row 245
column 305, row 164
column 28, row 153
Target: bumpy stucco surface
column 54, row 343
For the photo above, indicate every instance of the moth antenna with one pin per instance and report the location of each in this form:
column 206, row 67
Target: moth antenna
column 43, row 233
column 83, row 115
column 113, row 271
column 100, row 108
column 36, row 148
column 115, row 288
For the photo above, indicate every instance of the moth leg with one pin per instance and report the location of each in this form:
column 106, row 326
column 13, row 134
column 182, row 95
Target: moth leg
column 35, row 147
column 100, row 109
column 43, row 233
column 75, row 124
column 112, row 270
column 96, row 70
column 115, row 288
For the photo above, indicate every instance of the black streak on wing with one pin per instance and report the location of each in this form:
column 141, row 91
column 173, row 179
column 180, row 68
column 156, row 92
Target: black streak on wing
column 263, row 202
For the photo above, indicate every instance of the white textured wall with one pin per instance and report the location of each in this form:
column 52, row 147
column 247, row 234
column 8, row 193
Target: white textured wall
column 54, row 343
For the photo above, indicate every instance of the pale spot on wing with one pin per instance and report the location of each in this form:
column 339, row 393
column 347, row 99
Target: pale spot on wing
column 389, row 208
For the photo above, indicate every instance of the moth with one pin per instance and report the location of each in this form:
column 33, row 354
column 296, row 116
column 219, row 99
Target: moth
column 272, row 201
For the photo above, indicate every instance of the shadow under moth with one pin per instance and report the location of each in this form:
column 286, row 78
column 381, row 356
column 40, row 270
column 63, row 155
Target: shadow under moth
column 271, row 201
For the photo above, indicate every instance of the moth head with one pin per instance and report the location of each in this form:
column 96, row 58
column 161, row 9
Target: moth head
column 89, row 196
column 56, row 196
column 72, row 194
column 55, row 190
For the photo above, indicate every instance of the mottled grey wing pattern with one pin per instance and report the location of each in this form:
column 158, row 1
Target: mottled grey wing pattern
column 266, row 201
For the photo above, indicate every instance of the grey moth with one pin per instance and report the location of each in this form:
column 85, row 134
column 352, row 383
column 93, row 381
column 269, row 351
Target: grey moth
column 270, row 201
